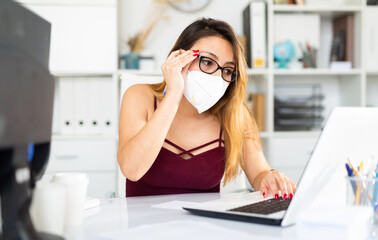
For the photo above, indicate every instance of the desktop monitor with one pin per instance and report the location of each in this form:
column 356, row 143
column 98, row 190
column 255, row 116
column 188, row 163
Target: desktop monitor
column 26, row 106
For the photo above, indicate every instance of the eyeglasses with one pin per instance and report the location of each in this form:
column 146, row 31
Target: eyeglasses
column 210, row 66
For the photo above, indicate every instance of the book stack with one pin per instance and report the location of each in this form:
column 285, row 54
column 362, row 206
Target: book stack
column 299, row 112
column 255, row 104
column 342, row 43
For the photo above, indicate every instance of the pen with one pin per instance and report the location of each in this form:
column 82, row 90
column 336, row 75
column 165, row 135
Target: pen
column 351, row 165
column 351, row 174
column 375, row 197
column 358, row 192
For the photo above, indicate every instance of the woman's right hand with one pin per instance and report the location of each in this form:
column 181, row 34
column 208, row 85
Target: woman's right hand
column 175, row 69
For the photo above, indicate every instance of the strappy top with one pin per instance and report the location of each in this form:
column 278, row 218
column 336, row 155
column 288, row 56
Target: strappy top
column 171, row 173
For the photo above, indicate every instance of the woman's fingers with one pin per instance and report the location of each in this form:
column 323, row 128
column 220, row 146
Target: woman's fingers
column 293, row 186
column 272, row 183
column 281, row 182
column 275, row 182
column 174, row 54
column 180, row 62
column 177, row 55
column 264, row 190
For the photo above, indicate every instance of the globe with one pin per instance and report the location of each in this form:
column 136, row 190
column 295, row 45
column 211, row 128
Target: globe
column 283, row 53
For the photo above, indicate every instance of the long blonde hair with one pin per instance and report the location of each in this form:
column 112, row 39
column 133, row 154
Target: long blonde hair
column 229, row 109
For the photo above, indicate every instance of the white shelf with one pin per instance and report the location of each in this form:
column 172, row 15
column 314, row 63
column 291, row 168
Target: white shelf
column 296, row 134
column 98, row 137
column 372, row 72
column 70, row 2
column 257, row 71
column 316, row 72
column 316, row 8
column 265, row 134
column 81, row 74
column 140, row 72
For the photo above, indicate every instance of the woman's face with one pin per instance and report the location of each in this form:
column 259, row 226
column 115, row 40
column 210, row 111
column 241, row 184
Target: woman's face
column 215, row 48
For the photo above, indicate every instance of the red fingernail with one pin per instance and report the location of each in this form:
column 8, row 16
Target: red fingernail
column 276, row 196
column 196, row 51
column 291, row 196
column 195, row 55
column 263, row 194
column 285, row 196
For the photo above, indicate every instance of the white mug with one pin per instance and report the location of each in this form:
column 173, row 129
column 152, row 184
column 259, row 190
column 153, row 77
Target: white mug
column 76, row 191
column 48, row 207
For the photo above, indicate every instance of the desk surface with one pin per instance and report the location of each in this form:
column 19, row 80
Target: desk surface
column 135, row 218
column 122, row 215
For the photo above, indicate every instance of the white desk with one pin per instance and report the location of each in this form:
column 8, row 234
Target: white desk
column 127, row 214
column 134, row 218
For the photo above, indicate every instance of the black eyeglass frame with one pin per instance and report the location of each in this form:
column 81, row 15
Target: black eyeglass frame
column 235, row 72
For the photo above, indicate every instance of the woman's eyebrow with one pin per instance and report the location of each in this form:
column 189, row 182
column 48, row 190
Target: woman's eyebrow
column 212, row 54
column 216, row 57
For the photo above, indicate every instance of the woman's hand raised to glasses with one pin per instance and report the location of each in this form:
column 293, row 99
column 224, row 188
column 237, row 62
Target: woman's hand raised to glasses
column 175, row 69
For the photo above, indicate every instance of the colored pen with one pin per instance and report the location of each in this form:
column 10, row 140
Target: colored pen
column 351, row 165
column 375, row 194
column 351, row 174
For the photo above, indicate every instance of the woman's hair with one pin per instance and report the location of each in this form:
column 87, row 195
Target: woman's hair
column 230, row 110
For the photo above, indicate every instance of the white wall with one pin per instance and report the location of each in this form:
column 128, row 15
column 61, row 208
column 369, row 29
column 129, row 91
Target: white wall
column 133, row 15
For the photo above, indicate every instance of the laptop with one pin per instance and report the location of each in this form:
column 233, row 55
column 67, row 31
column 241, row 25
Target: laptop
column 349, row 132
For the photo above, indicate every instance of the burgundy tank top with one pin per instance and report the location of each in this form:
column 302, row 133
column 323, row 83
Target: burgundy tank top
column 172, row 174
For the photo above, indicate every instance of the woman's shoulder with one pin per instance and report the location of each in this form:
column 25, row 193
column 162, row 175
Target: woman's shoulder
column 138, row 95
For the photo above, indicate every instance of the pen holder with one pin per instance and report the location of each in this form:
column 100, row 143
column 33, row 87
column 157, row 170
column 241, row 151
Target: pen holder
column 363, row 192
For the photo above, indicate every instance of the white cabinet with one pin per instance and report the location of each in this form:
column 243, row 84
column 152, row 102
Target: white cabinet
column 83, row 35
column 97, row 158
column 75, row 155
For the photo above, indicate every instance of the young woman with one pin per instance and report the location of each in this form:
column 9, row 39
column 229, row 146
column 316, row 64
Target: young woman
column 184, row 134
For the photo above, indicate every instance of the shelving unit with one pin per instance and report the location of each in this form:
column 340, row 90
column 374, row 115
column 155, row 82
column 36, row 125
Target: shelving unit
column 354, row 87
column 287, row 151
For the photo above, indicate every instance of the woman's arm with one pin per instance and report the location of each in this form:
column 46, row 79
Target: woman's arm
column 256, row 167
column 140, row 139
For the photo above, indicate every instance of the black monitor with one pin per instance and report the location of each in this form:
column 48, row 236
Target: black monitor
column 26, row 107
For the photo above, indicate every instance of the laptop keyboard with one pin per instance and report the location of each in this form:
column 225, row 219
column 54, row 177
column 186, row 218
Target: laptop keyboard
column 264, row 207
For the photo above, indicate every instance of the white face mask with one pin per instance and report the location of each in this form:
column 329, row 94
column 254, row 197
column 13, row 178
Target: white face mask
column 203, row 90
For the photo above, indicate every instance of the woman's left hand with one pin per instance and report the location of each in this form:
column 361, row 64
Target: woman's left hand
column 273, row 181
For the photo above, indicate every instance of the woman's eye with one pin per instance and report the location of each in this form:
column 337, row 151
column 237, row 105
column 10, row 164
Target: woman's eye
column 207, row 62
column 228, row 72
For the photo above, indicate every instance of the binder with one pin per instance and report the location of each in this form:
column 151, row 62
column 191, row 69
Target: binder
column 81, row 117
column 67, row 99
column 258, row 109
column 106, row 107
column 56, row 111
column 94, row 87
column 255, row 30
